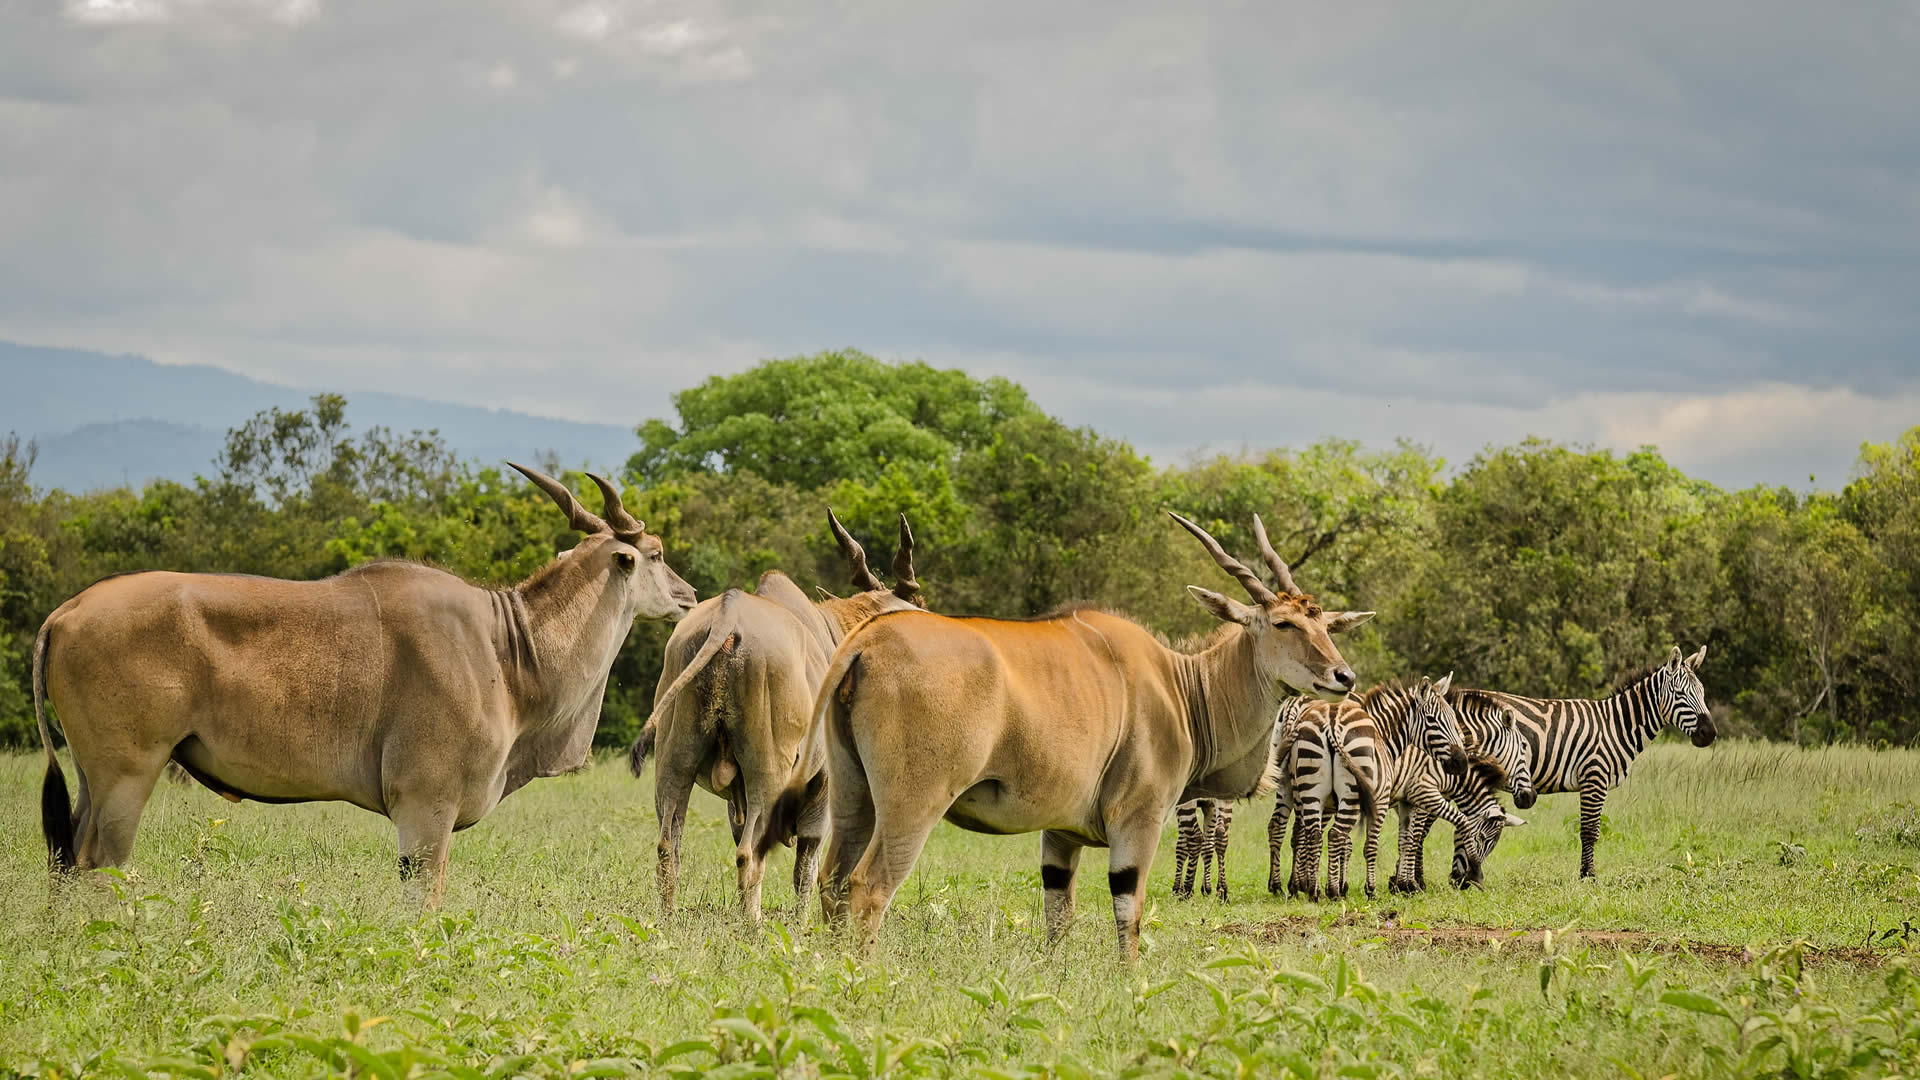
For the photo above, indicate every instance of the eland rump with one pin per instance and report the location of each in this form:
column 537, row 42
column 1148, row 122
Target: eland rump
column 394, row 686
column 733, row 713
column 1082, row 726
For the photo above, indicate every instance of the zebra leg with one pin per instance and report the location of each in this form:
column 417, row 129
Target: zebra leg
column 1204, row 845
column 1307, row 837
column 1340, row 848
column 1186, row 841
column 1402, row 879
column 1222, row 821
column 1422, row 823
column 1592, row 800
column 1276, row 838
column 1374, row 821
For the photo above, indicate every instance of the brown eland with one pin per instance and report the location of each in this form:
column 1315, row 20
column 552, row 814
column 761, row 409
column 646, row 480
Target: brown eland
column 394, row 686
column 733, row 713
column 1081, row 725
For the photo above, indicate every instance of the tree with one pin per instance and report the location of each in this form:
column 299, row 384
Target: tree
column 1554, row 567
column 817, row 420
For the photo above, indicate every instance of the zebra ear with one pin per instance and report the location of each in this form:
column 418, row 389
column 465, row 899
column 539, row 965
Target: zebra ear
column 1675, row 659
column 1697, row 659
column 1441, row 686
column 1513, row 820
column 1512, row 721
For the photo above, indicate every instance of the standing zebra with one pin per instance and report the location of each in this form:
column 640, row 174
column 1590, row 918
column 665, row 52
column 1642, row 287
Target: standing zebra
column 1587, row 746
column 1501, row 758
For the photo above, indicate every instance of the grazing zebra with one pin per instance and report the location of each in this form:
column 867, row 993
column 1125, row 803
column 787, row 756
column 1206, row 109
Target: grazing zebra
column 1494, row 820
column 1347, row 762
column 1202, row 843
column 1588, row 746
column 1499, row 758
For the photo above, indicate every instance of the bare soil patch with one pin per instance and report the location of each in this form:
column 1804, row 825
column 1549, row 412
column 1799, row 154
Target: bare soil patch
column 1359, row 927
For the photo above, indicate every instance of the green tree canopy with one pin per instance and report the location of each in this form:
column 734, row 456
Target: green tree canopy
column 817, row 420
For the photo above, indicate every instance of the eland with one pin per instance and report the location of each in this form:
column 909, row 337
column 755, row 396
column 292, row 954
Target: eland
column 1080, row 725
column 396, row 687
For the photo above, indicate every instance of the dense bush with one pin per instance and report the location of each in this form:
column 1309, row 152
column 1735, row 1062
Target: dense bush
column 1538, row 568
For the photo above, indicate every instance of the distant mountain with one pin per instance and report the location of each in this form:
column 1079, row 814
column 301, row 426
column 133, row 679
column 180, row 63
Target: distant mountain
column 102, row 421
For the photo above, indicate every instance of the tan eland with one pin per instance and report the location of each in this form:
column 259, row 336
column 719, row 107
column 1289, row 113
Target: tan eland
column 1080, row 725
column 733, row 713
column 394, row 686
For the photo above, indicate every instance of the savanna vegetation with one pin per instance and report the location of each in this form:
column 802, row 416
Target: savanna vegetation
column 1537, row 568
column 1766, row 892
column 1754, row 913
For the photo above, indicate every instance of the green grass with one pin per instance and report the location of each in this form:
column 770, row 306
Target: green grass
column 270, row 940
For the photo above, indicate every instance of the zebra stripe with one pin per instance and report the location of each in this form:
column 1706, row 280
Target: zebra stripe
column 1588, row 745
column 1500, row 757
column 1389, row 723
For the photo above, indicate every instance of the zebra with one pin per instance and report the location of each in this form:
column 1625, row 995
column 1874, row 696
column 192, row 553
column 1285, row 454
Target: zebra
column 1500, row 757
column 1202, row 843
column 1587, row 745
column 1345, row 760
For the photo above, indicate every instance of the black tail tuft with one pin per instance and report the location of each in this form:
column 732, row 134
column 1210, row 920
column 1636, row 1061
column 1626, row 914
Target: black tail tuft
column 782, row 821
column 637, row 753
column 56, row 819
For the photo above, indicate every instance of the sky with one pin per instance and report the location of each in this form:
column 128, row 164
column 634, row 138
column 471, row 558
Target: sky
column 1200, row 227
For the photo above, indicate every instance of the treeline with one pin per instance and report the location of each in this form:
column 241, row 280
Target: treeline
column 1538, row 568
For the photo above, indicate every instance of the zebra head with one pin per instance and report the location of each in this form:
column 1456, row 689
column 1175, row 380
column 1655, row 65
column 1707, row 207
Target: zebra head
column 1492, row 822
column 1509, row 748
column 1439, row 728
column 1682, row 700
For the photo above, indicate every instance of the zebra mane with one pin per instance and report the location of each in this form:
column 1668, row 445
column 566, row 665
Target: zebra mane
column 1478, row 700
column 1487, row 766
column 1632, row 677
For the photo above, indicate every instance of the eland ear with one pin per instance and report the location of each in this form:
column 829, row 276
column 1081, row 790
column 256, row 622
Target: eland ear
column 1514, row 821
column 1224, row 608
column 1697, row 659
column 1442, row 686
column 1339, row 622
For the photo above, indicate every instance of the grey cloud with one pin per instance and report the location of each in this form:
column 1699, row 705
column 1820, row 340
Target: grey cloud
column 584, row 204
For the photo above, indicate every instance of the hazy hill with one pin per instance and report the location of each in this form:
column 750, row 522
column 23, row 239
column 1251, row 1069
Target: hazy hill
column 103, row 420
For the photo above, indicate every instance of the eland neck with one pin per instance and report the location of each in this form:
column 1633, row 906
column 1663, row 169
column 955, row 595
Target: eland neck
column 573, row 626
column 1230, row 705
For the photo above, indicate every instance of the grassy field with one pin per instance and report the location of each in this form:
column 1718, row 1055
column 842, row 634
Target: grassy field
column 275, row 941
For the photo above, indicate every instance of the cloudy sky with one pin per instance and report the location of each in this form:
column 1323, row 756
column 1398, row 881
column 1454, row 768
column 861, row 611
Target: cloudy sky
column 1215, row 225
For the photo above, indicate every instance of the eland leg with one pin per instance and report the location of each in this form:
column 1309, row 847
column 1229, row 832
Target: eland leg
column 899, row 835
column 114, row 795
column 672, row 787
column 1129, row 860
column 1059, row 865
column 426, row 836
